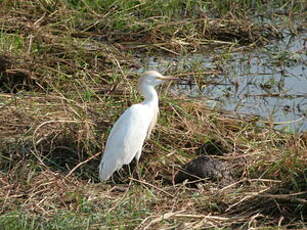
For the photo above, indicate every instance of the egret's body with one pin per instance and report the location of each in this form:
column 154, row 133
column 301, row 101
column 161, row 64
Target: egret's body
column 129, row 132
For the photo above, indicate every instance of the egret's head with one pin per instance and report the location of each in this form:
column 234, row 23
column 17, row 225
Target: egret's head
column 152, row 78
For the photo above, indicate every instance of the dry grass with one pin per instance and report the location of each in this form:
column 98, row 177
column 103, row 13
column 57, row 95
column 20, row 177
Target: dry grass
column 40, row 153
column 62, row 87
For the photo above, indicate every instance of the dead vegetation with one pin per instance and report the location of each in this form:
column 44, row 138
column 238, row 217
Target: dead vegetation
column 65, row 76
column 50, row 164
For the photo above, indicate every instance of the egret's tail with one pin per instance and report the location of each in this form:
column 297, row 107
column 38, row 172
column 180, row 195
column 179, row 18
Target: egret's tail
column 105, row 172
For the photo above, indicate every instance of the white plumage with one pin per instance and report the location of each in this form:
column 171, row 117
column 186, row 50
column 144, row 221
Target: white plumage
column 127, row 136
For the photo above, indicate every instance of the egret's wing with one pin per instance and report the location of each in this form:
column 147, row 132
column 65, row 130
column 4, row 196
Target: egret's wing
column 126, row 138
column 153, row 122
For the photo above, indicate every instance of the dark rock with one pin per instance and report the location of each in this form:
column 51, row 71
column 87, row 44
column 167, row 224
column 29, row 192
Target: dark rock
column 204, row 167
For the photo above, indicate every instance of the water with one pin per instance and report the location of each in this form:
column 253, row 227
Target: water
column 270, row 82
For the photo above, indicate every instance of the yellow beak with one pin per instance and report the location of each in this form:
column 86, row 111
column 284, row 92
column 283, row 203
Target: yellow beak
column 168, row 78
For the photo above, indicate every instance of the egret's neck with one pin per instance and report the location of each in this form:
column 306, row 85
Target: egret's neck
column 150, row 94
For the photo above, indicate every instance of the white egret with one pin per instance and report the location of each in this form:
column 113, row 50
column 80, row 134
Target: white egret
column 129, row 132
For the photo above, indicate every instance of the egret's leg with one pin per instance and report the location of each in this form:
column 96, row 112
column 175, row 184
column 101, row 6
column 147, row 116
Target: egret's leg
column 133, row 170
column 112, row 178
column 130, row 172
column 119, row 173
column 137, row 157
column 137, row 168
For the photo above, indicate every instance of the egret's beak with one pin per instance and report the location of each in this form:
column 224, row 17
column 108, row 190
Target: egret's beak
column 168, row 78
